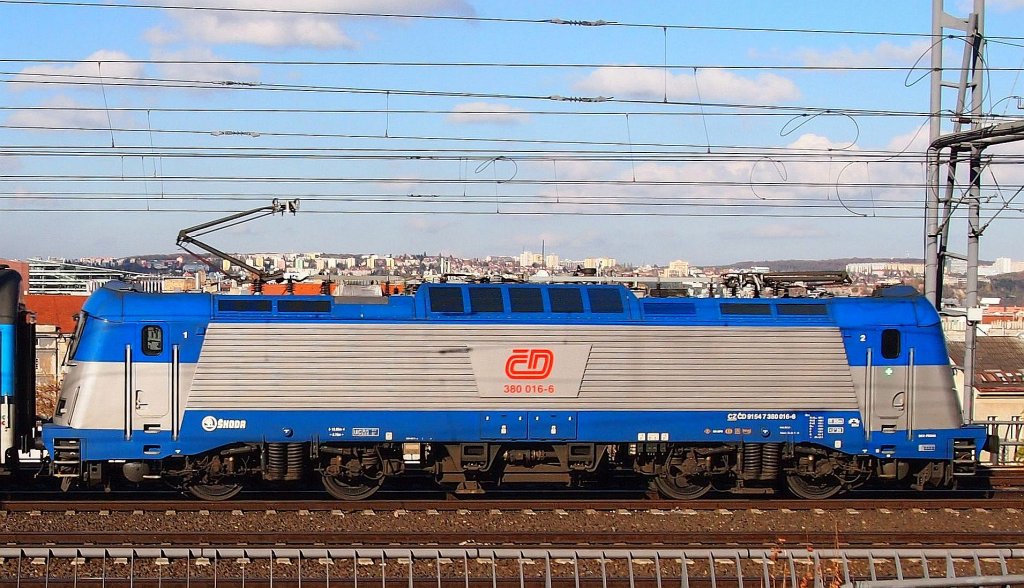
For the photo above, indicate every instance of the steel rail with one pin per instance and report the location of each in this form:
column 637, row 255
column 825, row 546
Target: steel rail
column 526, row 539
column 130, row 504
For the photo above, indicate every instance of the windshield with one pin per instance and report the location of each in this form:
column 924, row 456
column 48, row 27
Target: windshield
column 76, row 338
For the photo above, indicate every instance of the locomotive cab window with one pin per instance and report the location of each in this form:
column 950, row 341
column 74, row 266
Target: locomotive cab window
column 76, row 338
column 152, row 340
column 890, row 343
column 446, row 299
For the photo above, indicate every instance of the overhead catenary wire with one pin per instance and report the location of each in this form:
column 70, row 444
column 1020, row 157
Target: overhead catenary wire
column 493, row 64
column 599, row 201
column 734, row 154
column 728, row 200
column 235, row 85
column 383, row 180
column 569, row 211
column 479, row 19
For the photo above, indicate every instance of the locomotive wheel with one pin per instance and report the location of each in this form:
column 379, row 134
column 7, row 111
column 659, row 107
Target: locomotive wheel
column 346, row 489
column 814, row 488
column 682, row 487
column 214, row 492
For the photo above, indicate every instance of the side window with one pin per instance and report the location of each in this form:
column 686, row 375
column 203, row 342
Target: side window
column 890, row 343
column 485, row 299
column 605, row 299
column 444, row 299
column 152, row 340
column 525, row 300
column 565, row 300
column 746, row 308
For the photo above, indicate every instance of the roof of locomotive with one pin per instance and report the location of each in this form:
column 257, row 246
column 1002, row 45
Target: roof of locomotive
column 514, row 303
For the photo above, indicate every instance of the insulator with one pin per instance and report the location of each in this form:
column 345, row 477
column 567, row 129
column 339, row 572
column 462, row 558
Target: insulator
column 751, row 461
column 296, row 461
column 277, row 464
column 771, row 458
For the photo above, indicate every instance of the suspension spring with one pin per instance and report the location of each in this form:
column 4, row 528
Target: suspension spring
column 752, row 461
column 771, row 458
column 296, row 461
column 277, row 465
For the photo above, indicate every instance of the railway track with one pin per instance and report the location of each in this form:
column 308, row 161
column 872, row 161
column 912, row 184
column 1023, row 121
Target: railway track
column 1002, row 477
column 591, row 539
column 116, row 504
column 113, row 567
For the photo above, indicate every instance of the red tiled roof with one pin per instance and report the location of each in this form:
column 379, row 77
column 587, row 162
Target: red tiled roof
column 55, row 309
column 996, row 353
column 1000, row 366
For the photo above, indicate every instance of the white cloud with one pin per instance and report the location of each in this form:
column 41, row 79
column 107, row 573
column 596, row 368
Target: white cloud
column 60, row 112
column 487, row 113
column 814, row 175
column 269, row 29
column 101, row 65
column 211, row 68
column 264, row 30
column 714, row 84
column 883, row 54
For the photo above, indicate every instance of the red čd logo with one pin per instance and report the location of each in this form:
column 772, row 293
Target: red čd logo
column 529, row 364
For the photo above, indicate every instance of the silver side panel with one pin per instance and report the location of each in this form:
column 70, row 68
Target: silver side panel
column 898, row 398
column 95, row 395
column 428, row 367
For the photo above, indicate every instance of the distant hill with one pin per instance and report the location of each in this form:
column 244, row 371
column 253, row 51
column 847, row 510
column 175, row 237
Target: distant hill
column 1009, row 287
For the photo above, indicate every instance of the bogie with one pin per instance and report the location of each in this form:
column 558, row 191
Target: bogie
column 675, row 471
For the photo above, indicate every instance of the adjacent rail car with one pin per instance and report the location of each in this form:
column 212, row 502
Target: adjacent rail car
column 477, row 386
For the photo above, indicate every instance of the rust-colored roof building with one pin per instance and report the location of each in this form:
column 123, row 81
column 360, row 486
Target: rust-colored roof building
column 58, row 310
column 1000, row 366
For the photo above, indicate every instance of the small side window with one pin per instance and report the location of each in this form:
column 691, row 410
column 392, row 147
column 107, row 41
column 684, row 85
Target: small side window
column 606, row 300
column 746, row 308
column 890, row 344
column 566, row 300
column 525, row 299
column 304, row 306
column 485, row 299
column 152, row 340
column 446, row 299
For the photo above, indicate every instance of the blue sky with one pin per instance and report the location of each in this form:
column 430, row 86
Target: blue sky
column 121, row 125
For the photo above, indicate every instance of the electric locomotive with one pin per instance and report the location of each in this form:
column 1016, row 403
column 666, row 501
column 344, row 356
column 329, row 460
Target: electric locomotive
column 478, row 386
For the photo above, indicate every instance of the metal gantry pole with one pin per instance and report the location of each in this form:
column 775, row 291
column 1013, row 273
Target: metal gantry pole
column 971, row 302
column 932, row 269
column 941, row 201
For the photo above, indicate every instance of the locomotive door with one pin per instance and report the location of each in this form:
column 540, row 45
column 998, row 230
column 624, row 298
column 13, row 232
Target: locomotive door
column 152, row 379
column 890, row 374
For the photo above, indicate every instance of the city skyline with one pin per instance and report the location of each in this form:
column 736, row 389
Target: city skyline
column 712, row 131
column 320, row 260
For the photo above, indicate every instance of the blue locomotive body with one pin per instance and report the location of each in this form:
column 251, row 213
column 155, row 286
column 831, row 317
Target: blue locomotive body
column 482, row 384
column 479, row 385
